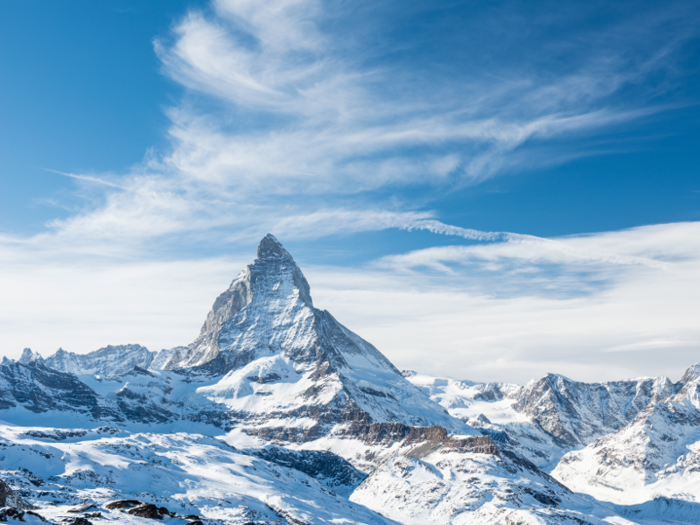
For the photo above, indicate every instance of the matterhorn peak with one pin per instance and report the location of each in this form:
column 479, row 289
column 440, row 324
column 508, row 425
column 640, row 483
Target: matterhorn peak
column 274, row 260
column 270, row 247
column 271, row 288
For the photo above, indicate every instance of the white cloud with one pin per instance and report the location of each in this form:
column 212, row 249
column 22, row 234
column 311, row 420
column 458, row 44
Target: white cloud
column 299, row 130
column 642, row 321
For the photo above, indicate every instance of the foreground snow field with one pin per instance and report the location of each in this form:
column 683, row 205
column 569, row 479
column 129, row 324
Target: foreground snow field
column 277, row 413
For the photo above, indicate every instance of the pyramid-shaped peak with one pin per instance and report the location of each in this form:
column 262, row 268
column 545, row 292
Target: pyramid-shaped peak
column 270, row 247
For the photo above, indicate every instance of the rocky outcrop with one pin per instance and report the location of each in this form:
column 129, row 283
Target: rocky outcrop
column 9, row 498
column 330, row 469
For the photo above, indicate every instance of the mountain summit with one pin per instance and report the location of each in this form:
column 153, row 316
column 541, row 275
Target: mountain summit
column 272, row 288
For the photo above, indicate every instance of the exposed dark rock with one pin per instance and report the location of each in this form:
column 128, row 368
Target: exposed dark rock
column 56, row 435
column 122, row 504
column 5, row 491
column 330, row 469
column 35, row 514
column 148, row 510
column 14, row 513
column 79, row 520
column 10, row 498
column 39, row 388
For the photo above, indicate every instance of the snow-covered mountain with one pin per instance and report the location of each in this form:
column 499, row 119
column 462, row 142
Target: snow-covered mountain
column 286, row 360
column 656, row 454
column 265, row 361
column 277, row 413
column 107, row 361
column 576, row 413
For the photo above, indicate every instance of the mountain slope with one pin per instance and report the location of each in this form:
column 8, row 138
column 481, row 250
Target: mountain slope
column 185, row 473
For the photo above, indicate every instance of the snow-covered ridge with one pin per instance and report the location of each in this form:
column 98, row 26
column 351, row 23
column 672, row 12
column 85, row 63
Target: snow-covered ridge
column 107, row 361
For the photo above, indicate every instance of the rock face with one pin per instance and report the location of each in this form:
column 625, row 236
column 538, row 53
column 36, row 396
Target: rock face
column 38, row 388
column 656, row 454
column 9, row 498
column 331, row 470
column 576, row 413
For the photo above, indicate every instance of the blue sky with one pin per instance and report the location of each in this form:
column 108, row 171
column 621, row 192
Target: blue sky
column 150, row 143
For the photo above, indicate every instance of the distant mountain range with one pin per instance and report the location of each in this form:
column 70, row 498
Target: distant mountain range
column 277, row 413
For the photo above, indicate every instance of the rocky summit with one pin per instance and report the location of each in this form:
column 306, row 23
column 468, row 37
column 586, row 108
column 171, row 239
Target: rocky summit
column 277, row 413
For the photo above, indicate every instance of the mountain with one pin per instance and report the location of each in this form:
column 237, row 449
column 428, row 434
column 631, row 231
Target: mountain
column 266, row 362
column 656, row 454
column 107, row 361
column 291, row 372
column 488, row 408
column 576, row 413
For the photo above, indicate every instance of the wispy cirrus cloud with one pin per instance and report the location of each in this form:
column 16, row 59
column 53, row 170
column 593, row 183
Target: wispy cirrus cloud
column 288, row 114
column 326, row 124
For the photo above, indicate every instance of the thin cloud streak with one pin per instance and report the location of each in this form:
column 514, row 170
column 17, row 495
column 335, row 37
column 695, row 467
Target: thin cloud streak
column 86, row 178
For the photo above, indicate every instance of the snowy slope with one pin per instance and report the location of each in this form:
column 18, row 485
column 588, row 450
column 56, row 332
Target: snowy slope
column 187, row 473
column 277, row 413
column 448, row 483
